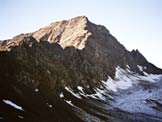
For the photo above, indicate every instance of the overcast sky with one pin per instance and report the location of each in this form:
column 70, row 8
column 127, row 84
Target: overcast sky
column 137, row 24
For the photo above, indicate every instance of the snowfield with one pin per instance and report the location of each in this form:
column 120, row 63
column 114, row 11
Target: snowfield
column 136, row 94
column 131, row 92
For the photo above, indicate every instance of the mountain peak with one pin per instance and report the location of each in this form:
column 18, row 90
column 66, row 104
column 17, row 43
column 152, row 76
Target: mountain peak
column 71, row 32
column 80, row 18
column 80, row 33
column 74, row 32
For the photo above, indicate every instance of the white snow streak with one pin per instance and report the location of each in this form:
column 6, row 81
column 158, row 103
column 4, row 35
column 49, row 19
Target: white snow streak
column 13, row 104
column 69, row 102
column 21, row 117
column 71, row 91
column 140, row 68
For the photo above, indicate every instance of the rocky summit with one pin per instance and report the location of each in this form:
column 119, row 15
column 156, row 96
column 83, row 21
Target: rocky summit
column 74, row 70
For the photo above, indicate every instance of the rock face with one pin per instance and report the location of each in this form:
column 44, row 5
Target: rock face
column 68, row 53
column 141, row 60
column 67, row 33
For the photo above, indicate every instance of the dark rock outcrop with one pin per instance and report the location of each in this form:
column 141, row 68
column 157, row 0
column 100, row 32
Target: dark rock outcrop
column 141, row 60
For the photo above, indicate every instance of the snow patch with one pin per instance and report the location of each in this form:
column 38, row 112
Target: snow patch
column 49, row 105
column 13, row 104
column 131, row 96
column 128, row 66
column 124, row 79
column 71, row 91
column 80, row 89
column 150, row 77
column 135, row 100
column 36, row 90
column 140, row 68
column 21, row 117
column 110, row 84
column 99, row 94
column 69, row 102
column 61, row 95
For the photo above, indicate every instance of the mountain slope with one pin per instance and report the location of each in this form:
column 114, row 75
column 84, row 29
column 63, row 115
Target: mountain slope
column 62, row 68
